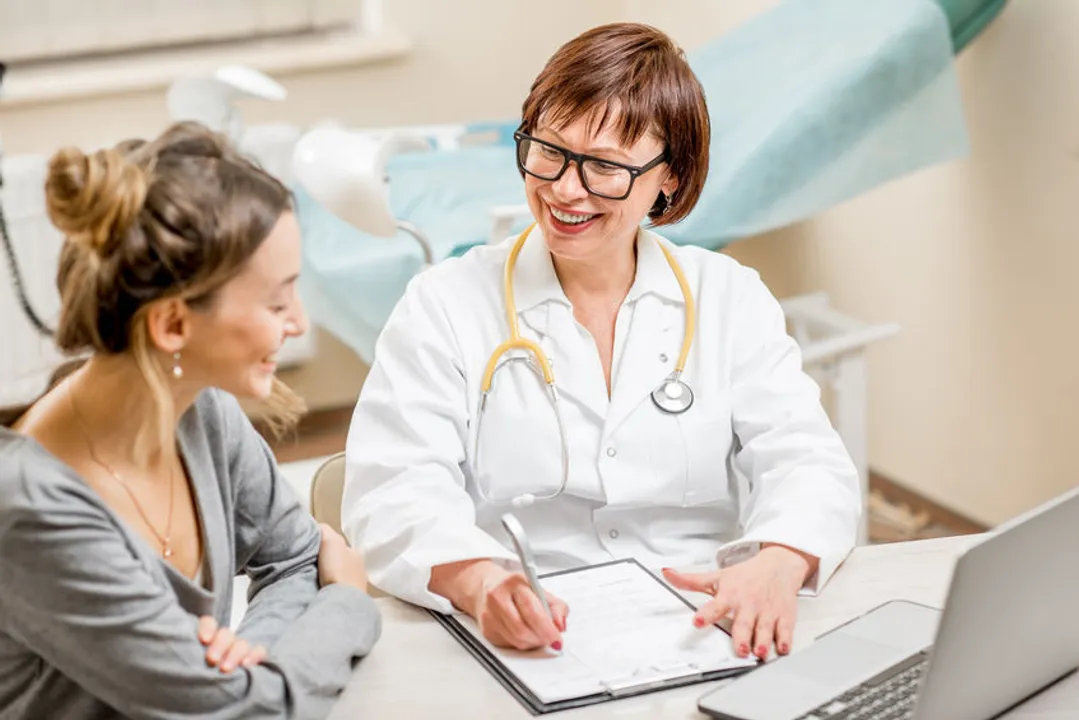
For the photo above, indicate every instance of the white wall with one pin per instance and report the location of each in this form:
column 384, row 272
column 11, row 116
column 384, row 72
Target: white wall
column 473, row 60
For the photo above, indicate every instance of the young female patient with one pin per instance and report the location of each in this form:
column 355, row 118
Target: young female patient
column 135, row 489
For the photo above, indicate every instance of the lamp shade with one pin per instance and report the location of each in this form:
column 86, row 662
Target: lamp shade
column 343, row 171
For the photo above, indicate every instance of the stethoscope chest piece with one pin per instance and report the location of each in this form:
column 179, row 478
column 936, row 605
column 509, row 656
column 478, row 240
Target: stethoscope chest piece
column 673, row 396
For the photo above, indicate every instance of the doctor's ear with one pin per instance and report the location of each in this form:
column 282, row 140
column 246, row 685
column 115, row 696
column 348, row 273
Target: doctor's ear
column 670, row 185
column 666, row 194
column 168, row 324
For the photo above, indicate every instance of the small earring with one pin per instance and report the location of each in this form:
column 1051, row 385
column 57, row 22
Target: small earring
column 667, row 200
column 177, row 371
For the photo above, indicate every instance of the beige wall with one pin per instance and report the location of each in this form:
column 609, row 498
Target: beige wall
column 693, row 22
column 975, row 403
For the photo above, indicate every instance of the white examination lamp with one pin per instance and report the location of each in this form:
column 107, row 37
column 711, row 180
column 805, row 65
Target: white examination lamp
column 345, row 172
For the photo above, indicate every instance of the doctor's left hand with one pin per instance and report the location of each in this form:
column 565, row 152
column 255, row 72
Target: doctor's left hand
column 761, row 594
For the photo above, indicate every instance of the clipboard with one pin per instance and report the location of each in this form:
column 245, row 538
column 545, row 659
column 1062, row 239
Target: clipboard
column 648, row 680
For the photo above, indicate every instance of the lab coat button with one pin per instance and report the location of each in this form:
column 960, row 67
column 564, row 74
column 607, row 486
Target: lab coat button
column 611, row 452
column 613, row 534
column 663, row 357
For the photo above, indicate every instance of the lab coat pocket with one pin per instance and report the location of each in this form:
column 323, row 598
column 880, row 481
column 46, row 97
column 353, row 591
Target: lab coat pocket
column 706, row 439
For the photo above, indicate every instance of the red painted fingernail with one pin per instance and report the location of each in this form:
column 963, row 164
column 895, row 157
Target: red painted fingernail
column 784, row 648
column 557, row 645
column 761, row 651
column 699, row 622
column 743, row 649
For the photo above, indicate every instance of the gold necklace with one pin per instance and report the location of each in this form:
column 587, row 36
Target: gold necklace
column 166, row 539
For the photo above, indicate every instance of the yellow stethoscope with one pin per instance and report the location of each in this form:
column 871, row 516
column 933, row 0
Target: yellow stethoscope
column 672, row 396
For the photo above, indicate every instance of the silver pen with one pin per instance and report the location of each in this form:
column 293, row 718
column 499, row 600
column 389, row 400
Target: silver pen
column 524, row 553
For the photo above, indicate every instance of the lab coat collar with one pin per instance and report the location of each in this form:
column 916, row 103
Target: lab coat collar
column 544, row 308
column 536, row 283
column 654, row 275
column 565, row 343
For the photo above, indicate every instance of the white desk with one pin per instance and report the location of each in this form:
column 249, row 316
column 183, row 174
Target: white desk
column 418, row 670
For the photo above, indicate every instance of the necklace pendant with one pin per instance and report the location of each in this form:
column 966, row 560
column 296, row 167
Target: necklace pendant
column 168, row 550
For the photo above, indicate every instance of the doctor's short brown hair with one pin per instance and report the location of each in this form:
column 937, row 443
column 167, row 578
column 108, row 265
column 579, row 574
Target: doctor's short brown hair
column 636, row 77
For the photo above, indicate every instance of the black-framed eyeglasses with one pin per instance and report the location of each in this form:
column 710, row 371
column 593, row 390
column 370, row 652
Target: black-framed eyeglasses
column 605, row 178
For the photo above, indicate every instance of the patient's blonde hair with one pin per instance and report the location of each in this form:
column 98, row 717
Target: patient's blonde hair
column 177, row 217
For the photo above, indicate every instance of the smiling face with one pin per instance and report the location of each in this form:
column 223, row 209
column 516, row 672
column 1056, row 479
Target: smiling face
column 577, row 224
column 233, row 342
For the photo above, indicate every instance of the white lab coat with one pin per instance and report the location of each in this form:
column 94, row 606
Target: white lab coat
column 755, row 458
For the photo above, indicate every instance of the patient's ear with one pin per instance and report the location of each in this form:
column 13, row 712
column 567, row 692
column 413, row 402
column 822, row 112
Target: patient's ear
column 168, row 324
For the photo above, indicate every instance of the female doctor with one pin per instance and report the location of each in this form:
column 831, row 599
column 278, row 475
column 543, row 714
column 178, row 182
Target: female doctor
column 650, row 403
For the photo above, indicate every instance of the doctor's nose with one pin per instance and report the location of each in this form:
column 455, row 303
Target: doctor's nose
column 569, row 186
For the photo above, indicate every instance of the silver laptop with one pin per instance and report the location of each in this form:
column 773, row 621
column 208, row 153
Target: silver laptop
column 1009, row 628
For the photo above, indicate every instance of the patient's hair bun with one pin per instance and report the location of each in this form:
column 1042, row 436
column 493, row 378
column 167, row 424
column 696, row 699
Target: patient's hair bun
column 95, row 199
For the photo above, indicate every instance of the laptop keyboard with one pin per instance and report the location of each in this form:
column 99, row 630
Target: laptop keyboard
column 888, row 696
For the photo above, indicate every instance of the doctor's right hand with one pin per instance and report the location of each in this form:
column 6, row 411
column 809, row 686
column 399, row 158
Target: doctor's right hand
column 503, row 603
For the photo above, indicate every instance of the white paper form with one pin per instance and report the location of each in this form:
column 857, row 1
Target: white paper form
column 625, row 629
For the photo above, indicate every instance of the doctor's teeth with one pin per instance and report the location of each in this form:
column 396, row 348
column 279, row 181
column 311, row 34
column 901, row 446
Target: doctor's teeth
column 571, row 218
